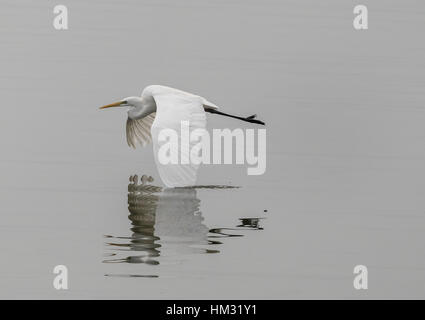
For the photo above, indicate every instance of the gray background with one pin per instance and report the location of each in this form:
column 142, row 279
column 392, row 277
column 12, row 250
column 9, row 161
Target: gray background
column 345, row 145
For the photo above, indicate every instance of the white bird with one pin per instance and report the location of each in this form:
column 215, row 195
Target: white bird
column 161, row 107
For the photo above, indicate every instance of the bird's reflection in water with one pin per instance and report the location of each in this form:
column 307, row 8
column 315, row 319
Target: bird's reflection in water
column 168, row 219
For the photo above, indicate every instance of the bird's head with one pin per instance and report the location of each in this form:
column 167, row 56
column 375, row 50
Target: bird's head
column 138, row 107
column 131, row 102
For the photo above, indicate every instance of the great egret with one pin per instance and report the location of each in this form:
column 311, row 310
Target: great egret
column 161, row 107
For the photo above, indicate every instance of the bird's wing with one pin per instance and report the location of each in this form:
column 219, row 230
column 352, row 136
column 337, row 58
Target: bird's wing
column 139, row 131
column 172, row 109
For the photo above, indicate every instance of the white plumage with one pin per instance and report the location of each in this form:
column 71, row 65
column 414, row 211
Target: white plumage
column 161, row 107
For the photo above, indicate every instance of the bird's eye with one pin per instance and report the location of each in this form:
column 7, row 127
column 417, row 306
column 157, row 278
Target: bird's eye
column 124, row 102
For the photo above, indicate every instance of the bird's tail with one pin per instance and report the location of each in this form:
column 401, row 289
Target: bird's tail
column 250, row 119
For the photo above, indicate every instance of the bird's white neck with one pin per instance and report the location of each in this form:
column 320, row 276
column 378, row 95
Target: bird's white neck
column 142, row 108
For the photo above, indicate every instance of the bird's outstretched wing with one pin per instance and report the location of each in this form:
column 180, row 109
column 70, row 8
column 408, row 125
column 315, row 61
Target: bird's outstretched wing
column 139, row 131
column 173, row 108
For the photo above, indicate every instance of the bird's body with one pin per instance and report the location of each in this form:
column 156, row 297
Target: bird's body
column 160, row 107
column 151, row 93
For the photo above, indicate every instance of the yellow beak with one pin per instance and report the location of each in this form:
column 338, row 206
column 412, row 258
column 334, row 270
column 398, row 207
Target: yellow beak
column 115, row 104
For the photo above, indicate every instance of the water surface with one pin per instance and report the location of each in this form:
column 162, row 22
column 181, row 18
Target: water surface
column 345, row 174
